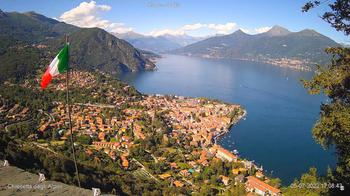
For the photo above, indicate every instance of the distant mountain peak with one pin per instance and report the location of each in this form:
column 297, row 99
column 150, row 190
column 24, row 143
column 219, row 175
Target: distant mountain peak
column 306, row 46
column 277, row 31
column 129, row 35
column 239, row 31
column 278, row 27
column 171, row 35
column 309, row 32
column 132, row 33
column 40, row 17
column 2, row 14
column 32, row 14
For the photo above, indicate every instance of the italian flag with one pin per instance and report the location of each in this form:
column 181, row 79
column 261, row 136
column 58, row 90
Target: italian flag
column 58, row 65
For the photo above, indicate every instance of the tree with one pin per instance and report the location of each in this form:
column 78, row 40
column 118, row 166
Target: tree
column 333, row 127
column 238, row 189
column 338, row 17
column 275, row 182
column 84, row 139
column 309, row 184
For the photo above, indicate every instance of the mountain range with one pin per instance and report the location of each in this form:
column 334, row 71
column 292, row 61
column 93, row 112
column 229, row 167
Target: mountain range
column 29, row 40
column 276, row 44
column 30, row 35
column 158, row 44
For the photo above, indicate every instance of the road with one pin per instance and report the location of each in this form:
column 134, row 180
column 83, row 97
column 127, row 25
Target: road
column 6, row 127
column 96, row 105
column 44, row 148
column 144, row 168
column 47, row 114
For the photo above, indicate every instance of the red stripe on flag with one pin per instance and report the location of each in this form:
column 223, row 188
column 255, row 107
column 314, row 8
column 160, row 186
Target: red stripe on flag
column 46, row 79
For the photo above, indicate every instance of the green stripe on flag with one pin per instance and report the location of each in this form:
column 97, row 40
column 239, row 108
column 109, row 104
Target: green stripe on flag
column 63, row 57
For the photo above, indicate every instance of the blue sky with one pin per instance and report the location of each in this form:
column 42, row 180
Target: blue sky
column 193, row 17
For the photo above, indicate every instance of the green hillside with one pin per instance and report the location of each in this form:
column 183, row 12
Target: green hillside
column 18, row 62
column 24, row 37
column 94, row 48
column 31, row 27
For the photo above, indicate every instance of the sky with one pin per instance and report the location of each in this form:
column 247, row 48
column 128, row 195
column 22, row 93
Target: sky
column 178, row 17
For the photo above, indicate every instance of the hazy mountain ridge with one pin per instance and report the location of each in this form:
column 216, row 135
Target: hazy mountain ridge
column 277, row 43
column 158, row 44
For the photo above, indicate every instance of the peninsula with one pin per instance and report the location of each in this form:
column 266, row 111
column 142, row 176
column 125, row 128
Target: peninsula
column 164, row 144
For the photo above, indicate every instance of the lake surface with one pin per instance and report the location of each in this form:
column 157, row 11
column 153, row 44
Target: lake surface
column 277, row 130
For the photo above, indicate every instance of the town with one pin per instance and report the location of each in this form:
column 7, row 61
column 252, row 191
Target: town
column 187, row 129
column 292, row 63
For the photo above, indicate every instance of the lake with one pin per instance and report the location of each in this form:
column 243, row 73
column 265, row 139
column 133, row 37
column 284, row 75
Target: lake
column 277, row 131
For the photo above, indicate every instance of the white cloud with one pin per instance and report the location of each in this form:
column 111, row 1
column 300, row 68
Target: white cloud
column 180, row 31
column 87, row 15
column 217, row 28
column 256, row 30
column 223, row 28
column 262, row 29
column 192, row 27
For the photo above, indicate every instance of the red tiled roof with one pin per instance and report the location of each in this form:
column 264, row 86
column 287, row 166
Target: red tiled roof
column 226, row 152
column 255, row 183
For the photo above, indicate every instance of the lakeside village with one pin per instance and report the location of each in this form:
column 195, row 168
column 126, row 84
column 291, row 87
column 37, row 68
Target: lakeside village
column 186, row 149
column 292, row 63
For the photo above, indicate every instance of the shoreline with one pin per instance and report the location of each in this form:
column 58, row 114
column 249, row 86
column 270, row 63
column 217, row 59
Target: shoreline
column 227, row 130
column 301, row 66
column 217, row 135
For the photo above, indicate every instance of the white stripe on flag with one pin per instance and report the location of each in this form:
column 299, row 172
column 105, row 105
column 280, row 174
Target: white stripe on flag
column 54, row 67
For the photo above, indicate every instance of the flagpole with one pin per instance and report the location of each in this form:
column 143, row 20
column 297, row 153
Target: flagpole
column 70, row 118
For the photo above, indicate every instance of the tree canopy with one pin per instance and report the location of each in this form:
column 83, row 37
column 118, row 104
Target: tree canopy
column 338, row 16
column 333, row 79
